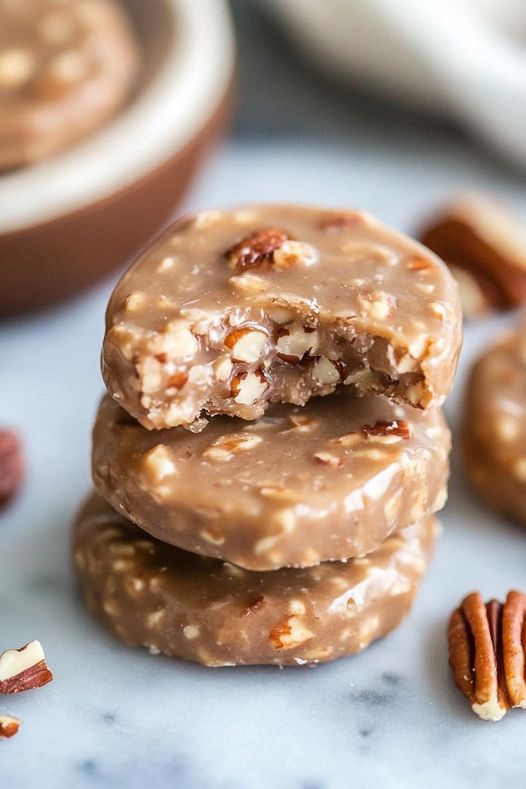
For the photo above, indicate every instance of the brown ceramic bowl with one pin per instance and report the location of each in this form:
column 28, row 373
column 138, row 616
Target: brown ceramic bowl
column 66, row 222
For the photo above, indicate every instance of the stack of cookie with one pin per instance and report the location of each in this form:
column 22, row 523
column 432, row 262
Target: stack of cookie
column 272, row 451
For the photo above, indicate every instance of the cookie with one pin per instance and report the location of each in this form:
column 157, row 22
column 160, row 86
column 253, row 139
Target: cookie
column 233, row 310
column 153, row 595
column 494, row 425
column 65, row 69
column 299, row 486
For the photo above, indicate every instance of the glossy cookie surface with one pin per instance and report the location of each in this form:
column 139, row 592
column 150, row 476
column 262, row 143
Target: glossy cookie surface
column 299, row 486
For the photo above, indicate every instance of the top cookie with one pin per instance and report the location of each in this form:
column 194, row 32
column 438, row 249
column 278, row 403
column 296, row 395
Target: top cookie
column 65, row 68
column 232, row 310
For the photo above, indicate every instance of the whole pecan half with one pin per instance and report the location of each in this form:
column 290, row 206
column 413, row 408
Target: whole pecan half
column 487, row 643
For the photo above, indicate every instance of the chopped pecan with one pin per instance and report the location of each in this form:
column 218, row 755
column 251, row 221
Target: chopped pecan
column 289, row 633
column 328, row 371
column 295, row 341
column 256, row 249
column 328, row 459
column 247, row 387
column 487, row 653
column 416, row 263
column 253, row 605
column 24, row 669
column 340, row 222
column 247, row 343
column 397, row 427
column 9, row 726
column 225, row 447
column 178, row 379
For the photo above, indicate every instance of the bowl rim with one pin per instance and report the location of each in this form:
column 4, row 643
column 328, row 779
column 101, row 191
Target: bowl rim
column 162, row 120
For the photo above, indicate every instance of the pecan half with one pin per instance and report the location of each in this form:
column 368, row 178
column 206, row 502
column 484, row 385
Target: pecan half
column 486, row 248
column 11, row 465
column 256, row 249
column 487, row 644
column 9, row 726
column 383, row 429
column 24, row 669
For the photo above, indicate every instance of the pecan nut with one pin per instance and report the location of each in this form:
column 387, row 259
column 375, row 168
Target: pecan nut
column 11, row 465
column 487, row 643
column 486, row 250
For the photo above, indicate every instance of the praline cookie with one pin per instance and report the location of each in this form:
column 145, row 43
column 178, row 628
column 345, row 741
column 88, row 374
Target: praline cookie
column 65, row 68
column 233, row 310
column 153, row 595
column 494, row 426
column 299, row 486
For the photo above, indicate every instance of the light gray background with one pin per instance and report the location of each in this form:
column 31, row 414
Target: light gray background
column 119, row 718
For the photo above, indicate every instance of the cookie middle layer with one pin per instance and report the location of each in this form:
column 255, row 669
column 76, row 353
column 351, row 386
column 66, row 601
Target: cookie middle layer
column 297, row 487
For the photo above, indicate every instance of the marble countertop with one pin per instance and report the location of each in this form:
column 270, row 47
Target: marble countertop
column 389, row 717
column 114, row 717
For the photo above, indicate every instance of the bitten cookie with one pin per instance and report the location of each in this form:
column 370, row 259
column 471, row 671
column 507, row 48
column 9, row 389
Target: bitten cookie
column 65, row 68
column 153, row 595
column 232, row 310
column 494, row 426
column 330, row 480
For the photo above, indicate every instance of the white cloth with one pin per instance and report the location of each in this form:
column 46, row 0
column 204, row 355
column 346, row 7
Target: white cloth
column 462, row 58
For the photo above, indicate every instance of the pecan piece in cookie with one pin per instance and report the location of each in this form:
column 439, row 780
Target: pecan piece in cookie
column 256, row 249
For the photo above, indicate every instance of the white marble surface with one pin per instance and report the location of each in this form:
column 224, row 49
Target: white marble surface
column 119, row 718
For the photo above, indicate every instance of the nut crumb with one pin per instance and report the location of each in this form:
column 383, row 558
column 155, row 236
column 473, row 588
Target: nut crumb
column 253, row 606
column 398, row 428
column 9, row 726
column 326, row 459
column 225, row 447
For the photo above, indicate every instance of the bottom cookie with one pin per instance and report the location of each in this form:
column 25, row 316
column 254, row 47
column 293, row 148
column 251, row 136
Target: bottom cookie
column 154, row 595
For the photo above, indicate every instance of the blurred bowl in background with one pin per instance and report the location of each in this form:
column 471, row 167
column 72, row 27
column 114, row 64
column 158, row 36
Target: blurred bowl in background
column 70, row 220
